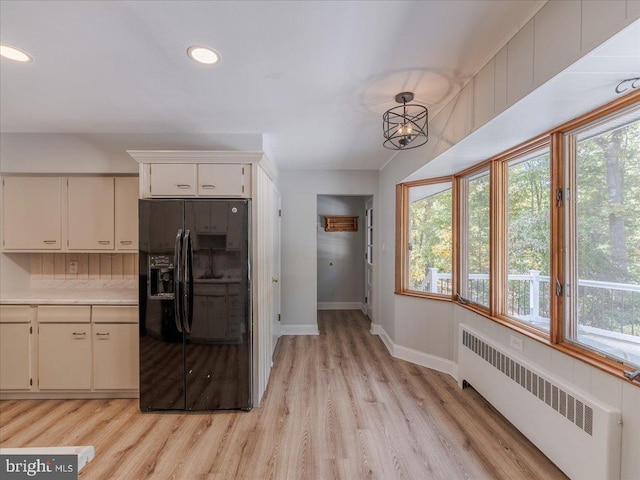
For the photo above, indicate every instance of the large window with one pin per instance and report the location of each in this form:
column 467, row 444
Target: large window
column 528, row 239
column 475, row 191
column 543, row 238
column 604, row 224
column 430, row 238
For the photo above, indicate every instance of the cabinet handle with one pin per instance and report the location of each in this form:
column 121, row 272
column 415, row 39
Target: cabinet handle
column 125, row 242
column 104, row 242
column 182, row 185
column 50, row 242
column 79, row 335
column 208, row 186
column 102, row 336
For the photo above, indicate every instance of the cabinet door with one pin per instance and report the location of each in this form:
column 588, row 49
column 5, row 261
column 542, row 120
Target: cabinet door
column 31, row 213
column 90, row 213
column 115, row 356
column 221, row 180
column 15, row 356
column 173, row 180
column 64, row 356
column 126, row 212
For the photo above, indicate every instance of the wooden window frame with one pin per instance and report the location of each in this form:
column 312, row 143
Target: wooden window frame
column 460, row 214
column 402, row 237
column 555, row 140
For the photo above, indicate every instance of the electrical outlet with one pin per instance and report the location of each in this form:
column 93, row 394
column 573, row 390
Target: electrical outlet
column 73, row 266
column 515, row 343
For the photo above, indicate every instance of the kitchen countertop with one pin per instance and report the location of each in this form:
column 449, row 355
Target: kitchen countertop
column 73, row 293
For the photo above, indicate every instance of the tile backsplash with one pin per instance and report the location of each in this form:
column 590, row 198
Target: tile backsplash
column 90, row 266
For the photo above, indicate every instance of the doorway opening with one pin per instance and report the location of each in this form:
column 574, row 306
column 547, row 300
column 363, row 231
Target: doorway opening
column 345, row 257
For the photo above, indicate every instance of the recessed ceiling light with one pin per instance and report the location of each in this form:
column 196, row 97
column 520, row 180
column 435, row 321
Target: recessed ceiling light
column 14, row 54
column 205, row 55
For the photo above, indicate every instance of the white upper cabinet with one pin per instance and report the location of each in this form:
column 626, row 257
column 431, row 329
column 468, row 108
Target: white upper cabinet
column 126, row 213
column 90, row 213
column 32, row 213
column 222, row 180
column 173, row 180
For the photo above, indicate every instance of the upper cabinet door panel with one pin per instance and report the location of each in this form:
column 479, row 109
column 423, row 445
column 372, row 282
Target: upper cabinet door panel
column 90, row 213
column 126, row 201
column 222, row 180
column 173, row 180
column 32, row 213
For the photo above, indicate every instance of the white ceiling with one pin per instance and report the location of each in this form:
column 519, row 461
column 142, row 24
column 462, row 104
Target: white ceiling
column 313, row 77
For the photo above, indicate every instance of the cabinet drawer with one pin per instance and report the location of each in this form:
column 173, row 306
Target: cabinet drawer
column 173, row 180
column 64, row 314
column 15, row 314
column 114, row 314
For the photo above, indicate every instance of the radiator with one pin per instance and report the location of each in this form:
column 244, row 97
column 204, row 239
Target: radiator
column 581, row 435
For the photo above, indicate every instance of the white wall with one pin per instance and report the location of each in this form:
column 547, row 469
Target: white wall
column 300, row 190
column 103, row 153
column 341, row 254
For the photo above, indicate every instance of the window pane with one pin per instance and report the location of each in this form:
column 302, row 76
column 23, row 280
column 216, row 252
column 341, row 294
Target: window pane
column 606, row 294
column 430, row 238
column 528, row 240
column 475, row 278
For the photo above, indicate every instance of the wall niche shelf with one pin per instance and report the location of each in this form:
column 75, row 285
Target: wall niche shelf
column 340, row 223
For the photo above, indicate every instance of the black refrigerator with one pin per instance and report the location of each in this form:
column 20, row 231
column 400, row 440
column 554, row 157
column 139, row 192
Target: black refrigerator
column 195, row 305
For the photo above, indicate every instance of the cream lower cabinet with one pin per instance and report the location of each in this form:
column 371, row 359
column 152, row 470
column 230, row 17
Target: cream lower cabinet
column 16, row 352
column 64, row 347
column 80, row 350
column 64, row 356
column 115, row 348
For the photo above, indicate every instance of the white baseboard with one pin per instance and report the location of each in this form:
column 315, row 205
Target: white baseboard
column 339, row 305
column 414, row 356
column 299, row 330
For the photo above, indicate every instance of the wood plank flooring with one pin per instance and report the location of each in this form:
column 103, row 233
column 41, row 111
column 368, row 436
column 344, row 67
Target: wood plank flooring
column 338, row 406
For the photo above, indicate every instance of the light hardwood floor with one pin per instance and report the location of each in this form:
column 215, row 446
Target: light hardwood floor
column 338, row 406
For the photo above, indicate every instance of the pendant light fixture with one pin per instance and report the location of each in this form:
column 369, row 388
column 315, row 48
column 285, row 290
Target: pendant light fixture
column 406, row 126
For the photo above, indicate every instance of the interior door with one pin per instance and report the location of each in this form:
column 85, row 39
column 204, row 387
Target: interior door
column 368, row 267
column 275, row 331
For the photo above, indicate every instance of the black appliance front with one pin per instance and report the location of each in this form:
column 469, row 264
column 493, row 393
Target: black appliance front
column 195, row 329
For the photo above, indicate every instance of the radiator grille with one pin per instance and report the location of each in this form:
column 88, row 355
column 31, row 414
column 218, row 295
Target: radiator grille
column 565, row 404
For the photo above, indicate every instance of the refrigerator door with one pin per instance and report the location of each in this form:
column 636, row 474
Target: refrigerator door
column 161, row 334
column 218, row 333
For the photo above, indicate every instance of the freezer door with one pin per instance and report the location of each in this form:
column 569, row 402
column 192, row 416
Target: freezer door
column 218, row 341
column 162, row 368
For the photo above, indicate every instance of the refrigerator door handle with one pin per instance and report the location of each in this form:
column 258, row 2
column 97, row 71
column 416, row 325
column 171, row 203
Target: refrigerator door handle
column 187, row 282
column 177, row 267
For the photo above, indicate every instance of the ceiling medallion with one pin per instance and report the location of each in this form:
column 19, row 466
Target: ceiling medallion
column 405, row 126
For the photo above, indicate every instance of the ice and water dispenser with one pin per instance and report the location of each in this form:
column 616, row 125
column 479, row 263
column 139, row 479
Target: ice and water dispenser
column 161, row 277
